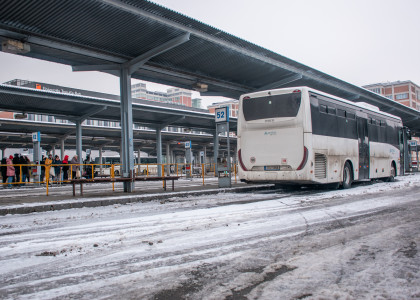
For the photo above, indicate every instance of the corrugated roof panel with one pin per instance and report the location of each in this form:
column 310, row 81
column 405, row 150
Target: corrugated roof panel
column 90, row 32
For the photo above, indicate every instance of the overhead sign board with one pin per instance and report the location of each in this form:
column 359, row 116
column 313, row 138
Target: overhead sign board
column 187, row 145
column 222, row 114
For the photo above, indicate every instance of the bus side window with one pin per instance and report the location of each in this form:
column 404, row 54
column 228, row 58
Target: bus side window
column 331, row 110
column 341, row 113
column 323, row 108
column 351, row 115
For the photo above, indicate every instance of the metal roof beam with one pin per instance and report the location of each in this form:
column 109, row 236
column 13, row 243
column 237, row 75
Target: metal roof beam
column 62, row 46
column 170, row 121
column 353, row 98
column 139, row 61
column 411, row 120
column 104, row 67
column 280, row 83
column 90, row 113
column 134, row 64
column 193, row 78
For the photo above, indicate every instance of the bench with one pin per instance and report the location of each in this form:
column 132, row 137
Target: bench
column 81, row 181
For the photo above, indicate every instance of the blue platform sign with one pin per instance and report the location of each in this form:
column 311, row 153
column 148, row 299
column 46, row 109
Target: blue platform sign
column 36, row 136
column 222, row 114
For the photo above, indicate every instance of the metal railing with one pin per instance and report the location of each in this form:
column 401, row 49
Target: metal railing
column 48, row 174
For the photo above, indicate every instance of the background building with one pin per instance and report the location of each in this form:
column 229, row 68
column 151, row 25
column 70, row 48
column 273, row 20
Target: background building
column 404, row 92
column 173, row 95
column 233, row 107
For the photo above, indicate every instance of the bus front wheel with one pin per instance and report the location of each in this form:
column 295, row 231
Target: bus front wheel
column 347, row 176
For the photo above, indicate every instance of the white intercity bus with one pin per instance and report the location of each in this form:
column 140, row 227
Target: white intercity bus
column 303, row 136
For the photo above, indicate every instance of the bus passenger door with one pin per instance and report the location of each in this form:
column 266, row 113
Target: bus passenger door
column 362, row 132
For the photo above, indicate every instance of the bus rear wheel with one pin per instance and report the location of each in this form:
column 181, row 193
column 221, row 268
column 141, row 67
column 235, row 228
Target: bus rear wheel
column 347, row 176
column 391, row 177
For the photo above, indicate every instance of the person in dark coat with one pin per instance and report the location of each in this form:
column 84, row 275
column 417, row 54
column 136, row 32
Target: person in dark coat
column 88, row 168
column 28, row 173
column 42, row 168
column 16, row 162
column 57, row 168
column 22, row 161
column 4, row 169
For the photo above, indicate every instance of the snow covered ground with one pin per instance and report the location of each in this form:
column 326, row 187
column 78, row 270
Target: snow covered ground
column 309, row 244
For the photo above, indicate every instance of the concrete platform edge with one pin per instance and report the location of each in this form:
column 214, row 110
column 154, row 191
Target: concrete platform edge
column 129, row 199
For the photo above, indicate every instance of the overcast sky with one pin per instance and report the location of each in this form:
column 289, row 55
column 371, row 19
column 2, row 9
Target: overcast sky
column 358, row 41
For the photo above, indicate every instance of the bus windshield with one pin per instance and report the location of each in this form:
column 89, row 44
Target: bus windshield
column 276, row 106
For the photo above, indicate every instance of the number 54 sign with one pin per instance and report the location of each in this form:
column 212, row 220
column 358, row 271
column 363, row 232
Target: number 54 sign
column 222, row 114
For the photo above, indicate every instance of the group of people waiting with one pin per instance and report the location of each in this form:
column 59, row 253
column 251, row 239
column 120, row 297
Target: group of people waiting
column 17, row 169
column 11, row 172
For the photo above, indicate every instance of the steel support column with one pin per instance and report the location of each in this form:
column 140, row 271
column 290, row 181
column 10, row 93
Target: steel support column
column 138, row 155
column 127, row 151
column 168, row 158
column 79, row 140
column 62, row 149
column 215, row 148
column 159, row 149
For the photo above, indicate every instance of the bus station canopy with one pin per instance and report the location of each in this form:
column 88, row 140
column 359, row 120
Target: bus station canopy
column 165, row 47
column 72, row 107
column 18, row 134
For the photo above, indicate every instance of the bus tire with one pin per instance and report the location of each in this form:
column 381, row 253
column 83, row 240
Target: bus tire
column 347, row 176
column 391, row 177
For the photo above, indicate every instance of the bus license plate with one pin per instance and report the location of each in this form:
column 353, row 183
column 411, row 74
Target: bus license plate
column 271, row 168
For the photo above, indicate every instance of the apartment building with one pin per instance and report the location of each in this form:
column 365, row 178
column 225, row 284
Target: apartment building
column 175, row 96
column 232, row 104
column 404, row 92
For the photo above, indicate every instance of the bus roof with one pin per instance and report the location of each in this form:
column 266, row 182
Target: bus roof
column 361, row 105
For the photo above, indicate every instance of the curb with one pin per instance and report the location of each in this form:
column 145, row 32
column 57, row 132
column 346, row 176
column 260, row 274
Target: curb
column 130, row 199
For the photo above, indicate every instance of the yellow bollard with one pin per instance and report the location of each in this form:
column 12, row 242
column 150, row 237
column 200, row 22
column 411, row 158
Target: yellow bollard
column 47, row 175
column 163, row 175
column 112, row 176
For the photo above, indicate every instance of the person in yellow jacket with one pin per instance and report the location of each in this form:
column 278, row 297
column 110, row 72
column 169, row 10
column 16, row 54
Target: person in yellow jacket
column 48, row 162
